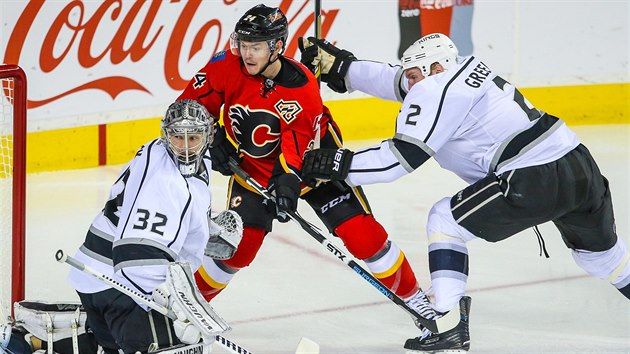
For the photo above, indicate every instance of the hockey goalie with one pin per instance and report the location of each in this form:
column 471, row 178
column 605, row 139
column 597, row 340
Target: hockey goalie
column 153, row 233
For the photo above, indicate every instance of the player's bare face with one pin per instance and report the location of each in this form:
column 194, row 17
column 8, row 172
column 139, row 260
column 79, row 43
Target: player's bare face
column 436, row 68
column 413, row 76
column 255, row 56
column 186, row 145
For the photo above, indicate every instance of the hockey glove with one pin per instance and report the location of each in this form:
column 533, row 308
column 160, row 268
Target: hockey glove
column 310, row 56
column 327, row 164
column 334, row 62
column 226, row 232
column 286, row 190
column 221, row 150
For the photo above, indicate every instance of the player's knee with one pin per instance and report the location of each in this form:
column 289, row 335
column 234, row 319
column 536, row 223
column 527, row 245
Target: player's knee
column 362, row 235
column 612, row 265
column 247, row 249
column 441, row 222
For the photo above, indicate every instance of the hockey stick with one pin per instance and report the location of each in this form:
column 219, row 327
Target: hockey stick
column 61, row 257
column 318, row 70
column 317, row 21
column 442, row 324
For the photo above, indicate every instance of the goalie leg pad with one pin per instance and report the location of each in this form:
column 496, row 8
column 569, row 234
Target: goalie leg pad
column 188, row 304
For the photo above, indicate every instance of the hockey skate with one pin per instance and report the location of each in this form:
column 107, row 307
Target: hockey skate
column 456, row 340
column 420, row 303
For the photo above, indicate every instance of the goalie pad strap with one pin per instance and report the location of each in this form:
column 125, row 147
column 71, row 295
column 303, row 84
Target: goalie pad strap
column 53, row 321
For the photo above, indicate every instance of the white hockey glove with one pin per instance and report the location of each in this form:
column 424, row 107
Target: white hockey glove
column 226, row 232
column 195, row 317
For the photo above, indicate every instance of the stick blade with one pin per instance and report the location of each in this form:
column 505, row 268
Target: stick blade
column 307, row 346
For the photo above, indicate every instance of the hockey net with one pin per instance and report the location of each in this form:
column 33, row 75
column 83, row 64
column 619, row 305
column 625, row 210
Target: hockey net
column 12, row 186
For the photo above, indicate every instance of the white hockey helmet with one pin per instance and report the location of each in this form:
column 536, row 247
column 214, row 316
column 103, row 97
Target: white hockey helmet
column 187, row 133
column 432, row 48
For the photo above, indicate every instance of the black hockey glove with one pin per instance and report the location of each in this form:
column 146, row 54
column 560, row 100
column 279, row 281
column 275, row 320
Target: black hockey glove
column 326, row 164
column 286, row 189
column 221, row 150
column 334, row 62
column 309, row 54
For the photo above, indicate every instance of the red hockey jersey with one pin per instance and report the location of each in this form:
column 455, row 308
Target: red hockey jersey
column 269, row 122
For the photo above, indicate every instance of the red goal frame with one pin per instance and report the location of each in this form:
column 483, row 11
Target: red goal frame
column 18, row 249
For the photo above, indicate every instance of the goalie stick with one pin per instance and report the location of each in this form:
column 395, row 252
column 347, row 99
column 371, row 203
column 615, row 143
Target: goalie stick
column 61, row 257
column 439, row 325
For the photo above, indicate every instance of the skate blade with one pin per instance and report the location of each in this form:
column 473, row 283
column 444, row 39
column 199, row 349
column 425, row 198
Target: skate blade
column 449, row 351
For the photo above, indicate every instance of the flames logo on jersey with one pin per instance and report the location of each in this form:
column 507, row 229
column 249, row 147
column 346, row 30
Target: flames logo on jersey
column 256, row 131
column 288, row 110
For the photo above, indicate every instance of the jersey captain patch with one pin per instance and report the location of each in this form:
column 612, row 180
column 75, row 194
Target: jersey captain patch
column 288, row 110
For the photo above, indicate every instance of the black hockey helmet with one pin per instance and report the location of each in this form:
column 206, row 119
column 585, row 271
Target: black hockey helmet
column 262, row 23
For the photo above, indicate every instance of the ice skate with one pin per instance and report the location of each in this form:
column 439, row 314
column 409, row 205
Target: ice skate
column 456, row 340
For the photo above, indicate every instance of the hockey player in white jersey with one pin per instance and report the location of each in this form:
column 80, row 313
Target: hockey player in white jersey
column 524, row 166
column 158, row 213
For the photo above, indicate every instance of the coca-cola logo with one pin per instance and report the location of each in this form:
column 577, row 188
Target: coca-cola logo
column 136, row 29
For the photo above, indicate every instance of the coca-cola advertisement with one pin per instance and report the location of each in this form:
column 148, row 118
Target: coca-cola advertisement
column 96, row 62
column 91, row 62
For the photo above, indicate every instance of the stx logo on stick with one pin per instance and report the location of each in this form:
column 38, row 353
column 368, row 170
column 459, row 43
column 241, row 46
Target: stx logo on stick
column 334, row 250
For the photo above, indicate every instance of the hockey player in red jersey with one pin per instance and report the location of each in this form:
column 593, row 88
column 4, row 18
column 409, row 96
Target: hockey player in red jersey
column 273, row 111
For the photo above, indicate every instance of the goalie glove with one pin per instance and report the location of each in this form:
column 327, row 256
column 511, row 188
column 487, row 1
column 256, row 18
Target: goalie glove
column 195, row 317
column 334, row 62
column 226, row 232
column 327, row 164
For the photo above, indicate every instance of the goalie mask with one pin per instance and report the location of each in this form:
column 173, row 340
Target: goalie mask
column 187, row 132
column 258, row 24
column 432, row 48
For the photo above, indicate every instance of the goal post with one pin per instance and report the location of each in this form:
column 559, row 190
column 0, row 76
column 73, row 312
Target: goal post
column 12, row 185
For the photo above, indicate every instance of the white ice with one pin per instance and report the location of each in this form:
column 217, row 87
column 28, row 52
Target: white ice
column 521, row 302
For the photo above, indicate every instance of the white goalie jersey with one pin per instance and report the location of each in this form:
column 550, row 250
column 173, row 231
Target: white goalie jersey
column 154, row 216
column 469, row 119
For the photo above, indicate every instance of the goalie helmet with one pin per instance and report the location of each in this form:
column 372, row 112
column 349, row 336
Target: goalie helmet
column 187, row 133
column 430, row 49
column 258, row 24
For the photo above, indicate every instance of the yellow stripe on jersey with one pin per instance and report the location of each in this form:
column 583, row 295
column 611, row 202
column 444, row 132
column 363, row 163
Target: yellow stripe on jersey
column 336, row 137
column 283, row 164
column 364, row 204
